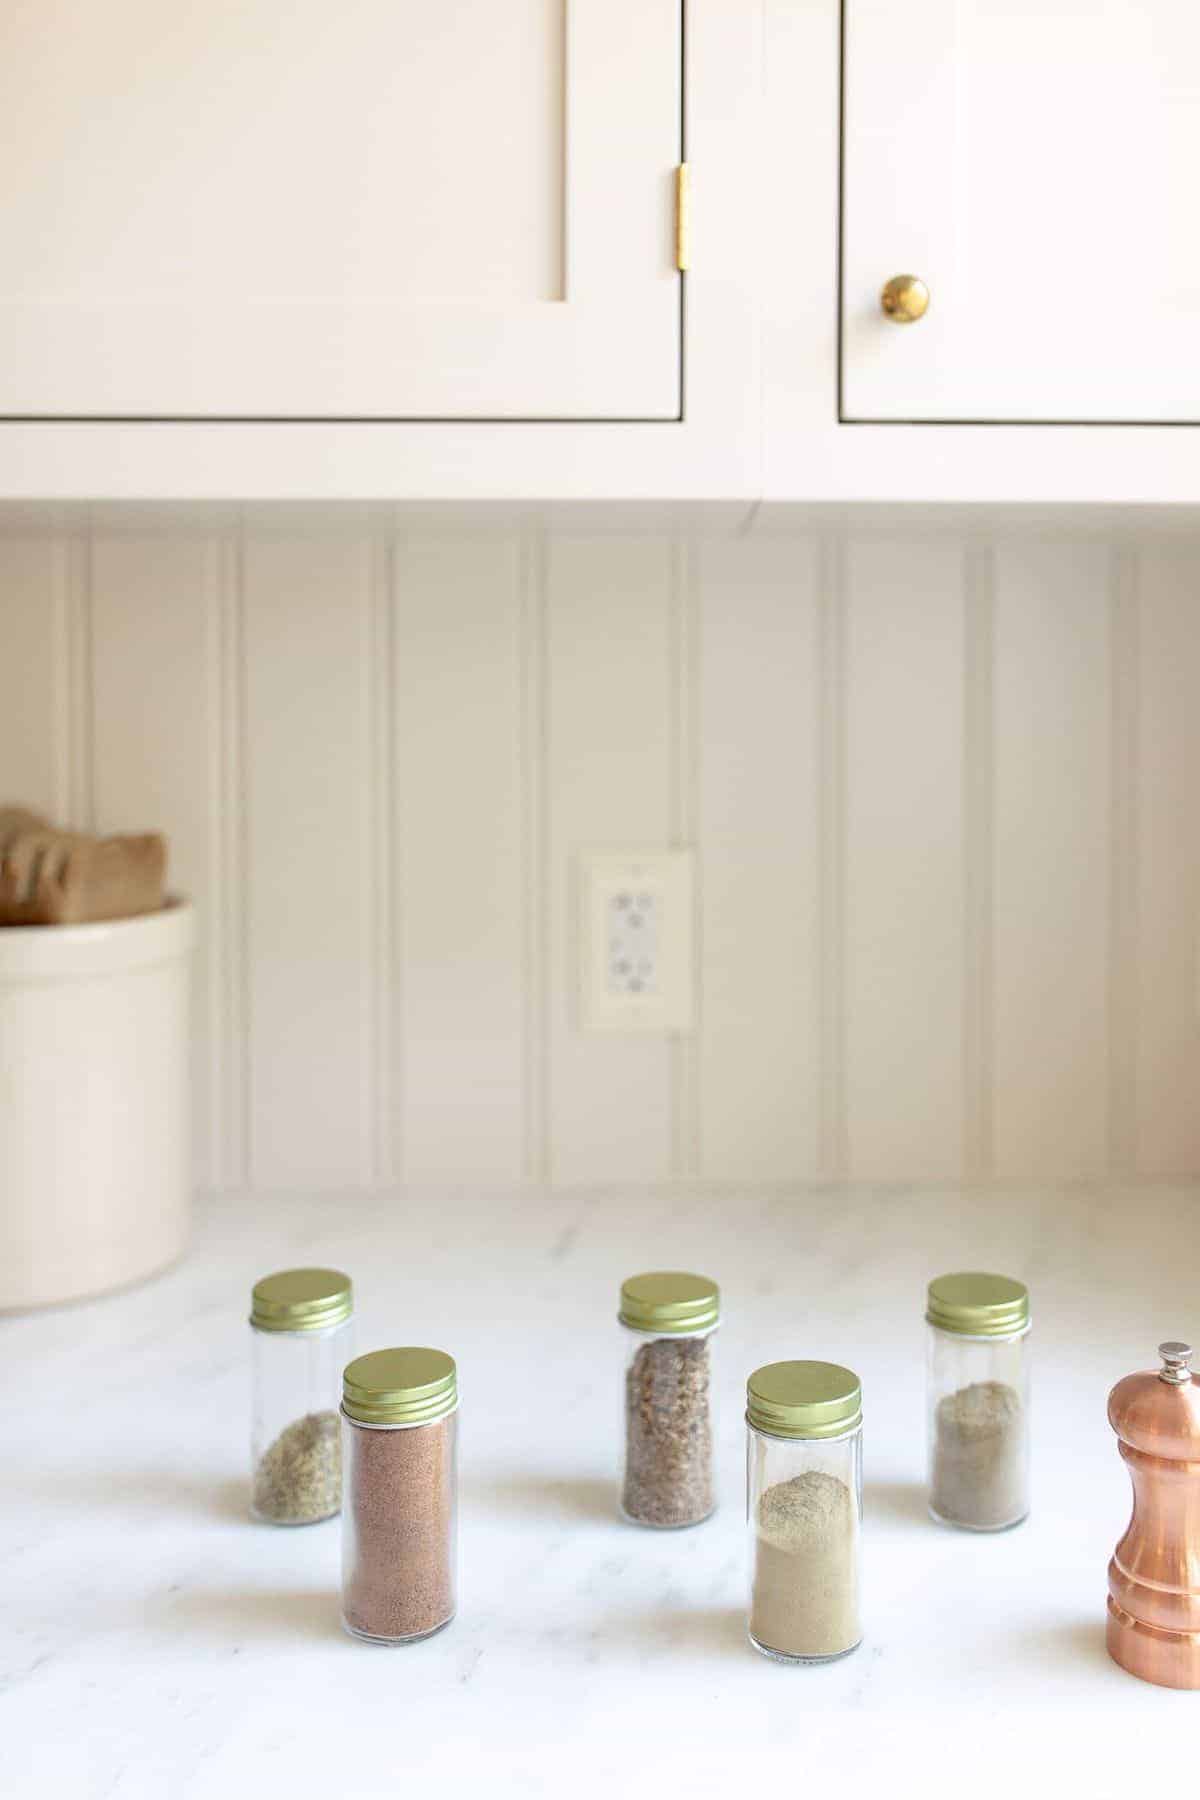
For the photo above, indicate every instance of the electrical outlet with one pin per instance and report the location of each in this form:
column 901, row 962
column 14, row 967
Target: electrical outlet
column 636, row 935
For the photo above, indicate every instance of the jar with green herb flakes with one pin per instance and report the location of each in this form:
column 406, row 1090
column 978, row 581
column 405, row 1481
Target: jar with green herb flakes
column 301, row 1332
column 668, row 1320
column 978, row 1400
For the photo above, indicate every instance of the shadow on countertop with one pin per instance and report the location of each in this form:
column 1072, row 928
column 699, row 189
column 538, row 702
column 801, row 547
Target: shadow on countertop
column 906, row 1502
column 549, row 1496
column 242, row 1617
column 138, row 1494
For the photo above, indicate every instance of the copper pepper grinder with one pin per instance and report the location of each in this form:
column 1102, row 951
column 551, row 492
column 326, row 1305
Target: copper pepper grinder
column 1154, row 1576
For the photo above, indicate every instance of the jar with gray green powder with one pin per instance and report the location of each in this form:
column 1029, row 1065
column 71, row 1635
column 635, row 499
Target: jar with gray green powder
column 978, row 1400
column 301, row 1330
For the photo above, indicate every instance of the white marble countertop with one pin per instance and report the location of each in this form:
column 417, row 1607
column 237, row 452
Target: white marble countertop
column 155, row 1642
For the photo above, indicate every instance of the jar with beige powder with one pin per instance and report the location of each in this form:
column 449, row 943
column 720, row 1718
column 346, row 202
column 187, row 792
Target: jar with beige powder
column 804, row 1506
column 399, row 1514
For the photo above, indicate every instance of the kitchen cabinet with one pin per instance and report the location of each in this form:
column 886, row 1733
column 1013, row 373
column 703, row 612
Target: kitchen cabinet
column 1034, row 164
column 1030, row 163
column 430, row 253
column 383, row 210
column 389, row 251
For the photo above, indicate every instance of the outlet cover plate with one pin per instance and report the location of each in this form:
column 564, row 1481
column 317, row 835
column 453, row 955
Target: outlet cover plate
column 636, row 933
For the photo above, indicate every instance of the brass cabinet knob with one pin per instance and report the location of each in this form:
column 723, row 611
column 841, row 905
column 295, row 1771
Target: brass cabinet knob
column 905, row 298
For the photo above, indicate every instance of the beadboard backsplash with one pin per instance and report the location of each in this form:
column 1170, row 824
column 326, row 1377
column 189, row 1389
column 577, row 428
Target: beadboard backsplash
column 942, row 788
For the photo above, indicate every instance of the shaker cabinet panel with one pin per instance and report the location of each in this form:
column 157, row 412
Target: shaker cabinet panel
column 384, row 209
column 1033, row 162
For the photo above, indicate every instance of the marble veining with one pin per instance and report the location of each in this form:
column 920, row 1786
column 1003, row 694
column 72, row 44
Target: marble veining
column 155, row 1642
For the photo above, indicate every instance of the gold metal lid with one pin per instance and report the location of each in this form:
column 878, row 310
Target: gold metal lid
column 976, row 1305
column 804, row 1400
column 411, row 1386
column 670, row 1303
column 301, row 1300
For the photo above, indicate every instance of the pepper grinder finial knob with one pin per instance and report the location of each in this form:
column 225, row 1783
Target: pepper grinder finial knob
column 1176, row 1361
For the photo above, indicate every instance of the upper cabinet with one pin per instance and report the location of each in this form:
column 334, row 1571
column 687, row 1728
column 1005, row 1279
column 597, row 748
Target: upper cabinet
column 376, row 210
column 431, row 250
column 1032, row 163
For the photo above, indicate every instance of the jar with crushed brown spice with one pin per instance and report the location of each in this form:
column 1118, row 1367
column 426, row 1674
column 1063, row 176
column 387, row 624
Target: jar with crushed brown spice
column 301, row 1334
column 399, row 1523
column 669, row 1320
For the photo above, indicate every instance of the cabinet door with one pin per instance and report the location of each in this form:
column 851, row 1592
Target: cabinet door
column 379, row 209
column 1034, row 163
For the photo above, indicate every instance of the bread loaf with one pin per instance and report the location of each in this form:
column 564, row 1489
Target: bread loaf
column 51, row 877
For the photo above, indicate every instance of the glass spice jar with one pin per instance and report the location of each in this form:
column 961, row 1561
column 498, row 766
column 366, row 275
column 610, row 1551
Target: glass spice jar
column 668, row 1321
column 978, row 1401
column 400, row 1522
column 301, row 1331
column 804, row 1510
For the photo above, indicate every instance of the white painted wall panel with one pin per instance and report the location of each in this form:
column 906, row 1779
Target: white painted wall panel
column 307, row 783
column 904, row 913
column 154, row 631
column 1053, row 701
column 608, row 786
column 1167, row 850
column 460, row 866
column 34, row 673
column 758, row 809
column 941, row 792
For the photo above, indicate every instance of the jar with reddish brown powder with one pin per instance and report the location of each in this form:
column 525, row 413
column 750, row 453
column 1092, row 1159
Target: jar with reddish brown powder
column 400, row 1502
